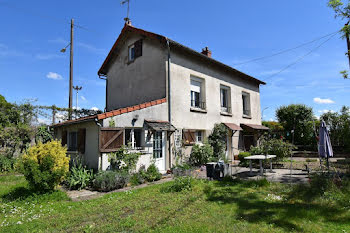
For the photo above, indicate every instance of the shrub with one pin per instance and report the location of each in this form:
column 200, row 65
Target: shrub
column 201, row 154
column 79, row 177
column 217, row 139
column 123, row 160
column 110, row 180
column 183, row 183
column 243, row 162
column 45, row 165
column 152, row 173
column 6, row 164
column 274, row 147
column 138, row 178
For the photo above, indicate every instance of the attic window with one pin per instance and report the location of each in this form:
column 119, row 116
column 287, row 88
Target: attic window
column 135, row 51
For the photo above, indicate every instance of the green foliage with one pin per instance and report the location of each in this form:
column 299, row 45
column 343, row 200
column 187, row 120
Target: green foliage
column 182, row 183
column 79, row 177
column 201, row 154
column 111, row 123
column 106, row 181
column 276, row 129
column 43, row 134
column 297, row 118
column 123, row 160
column 243, row 162
column 339, row 127
column 217, row 139
column 6, row 164
column 45, row 165
column 152, row 173
column 138, row 178
column 273, row 147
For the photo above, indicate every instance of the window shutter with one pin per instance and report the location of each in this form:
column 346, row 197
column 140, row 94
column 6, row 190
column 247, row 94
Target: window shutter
column 138, row 48
column 189, row 136
column 81, row 140
column 64, row 138
column 111, row 139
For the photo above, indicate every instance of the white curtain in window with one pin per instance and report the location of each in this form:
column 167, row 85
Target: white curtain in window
column 195, row 86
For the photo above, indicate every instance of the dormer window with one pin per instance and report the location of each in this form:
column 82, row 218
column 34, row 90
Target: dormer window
column 135, row 51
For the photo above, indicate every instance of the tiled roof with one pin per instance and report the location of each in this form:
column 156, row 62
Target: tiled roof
column 113, row 112
column 233, row 127
column 256, row 127
column 128, row 28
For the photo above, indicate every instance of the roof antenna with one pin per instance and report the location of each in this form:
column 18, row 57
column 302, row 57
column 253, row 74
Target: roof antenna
column 127, row 19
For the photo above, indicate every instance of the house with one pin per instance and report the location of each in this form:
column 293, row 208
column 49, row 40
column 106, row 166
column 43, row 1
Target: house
column 161, row 95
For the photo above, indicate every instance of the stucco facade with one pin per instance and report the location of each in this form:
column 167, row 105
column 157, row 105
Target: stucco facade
column 139, row 81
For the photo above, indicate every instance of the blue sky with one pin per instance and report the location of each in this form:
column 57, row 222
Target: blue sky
column 33, row 32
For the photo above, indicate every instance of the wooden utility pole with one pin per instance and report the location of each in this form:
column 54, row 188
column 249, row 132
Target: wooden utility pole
column 70, row 107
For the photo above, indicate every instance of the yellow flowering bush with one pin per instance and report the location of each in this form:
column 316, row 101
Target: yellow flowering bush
column 45, row 165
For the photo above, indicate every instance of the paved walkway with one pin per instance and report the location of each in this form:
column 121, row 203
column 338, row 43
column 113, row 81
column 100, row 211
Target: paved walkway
column 84, row 194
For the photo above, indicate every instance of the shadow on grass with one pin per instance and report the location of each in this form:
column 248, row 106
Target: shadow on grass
column 285, row 214
column 27, row 194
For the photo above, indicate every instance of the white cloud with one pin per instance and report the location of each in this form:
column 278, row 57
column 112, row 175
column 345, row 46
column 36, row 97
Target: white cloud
column 53, row 75
column 94, row 109
column 83, row 98
column 325, row 111
column 91, row 48
column 47, row 56
column 323, row 101
column 44, row 121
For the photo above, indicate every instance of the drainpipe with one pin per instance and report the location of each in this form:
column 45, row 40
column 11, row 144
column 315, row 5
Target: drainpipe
column 98, row 141
column 99, row 76
column 169, row 97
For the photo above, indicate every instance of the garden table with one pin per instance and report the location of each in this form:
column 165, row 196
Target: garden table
column 260, row 158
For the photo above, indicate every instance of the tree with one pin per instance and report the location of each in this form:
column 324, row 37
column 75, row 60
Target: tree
column 342, row 10
column 339, row 128
column 217, row 139
column 297, row 121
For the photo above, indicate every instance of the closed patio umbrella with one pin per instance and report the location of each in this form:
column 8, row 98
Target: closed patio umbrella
column 324, row 145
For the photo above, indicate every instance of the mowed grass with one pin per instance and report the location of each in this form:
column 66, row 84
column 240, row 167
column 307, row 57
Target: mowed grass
column 232, row 206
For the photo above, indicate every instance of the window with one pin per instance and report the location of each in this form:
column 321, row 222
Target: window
column 197, row 94
column 73, row 141
column 246, row 104
column 199, row 136
column 133, row 137
column 225, row 99
column 131, row 53
column 157, row 145
column 135, row 51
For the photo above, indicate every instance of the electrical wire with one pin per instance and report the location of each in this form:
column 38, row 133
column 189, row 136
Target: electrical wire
column 285, row 50
column 302, row 57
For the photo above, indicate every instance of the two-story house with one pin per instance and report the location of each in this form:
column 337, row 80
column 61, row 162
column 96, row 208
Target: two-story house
column 161, row 96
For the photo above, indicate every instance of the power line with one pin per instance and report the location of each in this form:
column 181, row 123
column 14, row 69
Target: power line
column 44, row 16
column 285, row 50
column 302, row 57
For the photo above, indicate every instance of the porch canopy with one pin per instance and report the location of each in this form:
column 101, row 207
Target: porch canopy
column 233, row 126
column 252, row 127
column 159, row 125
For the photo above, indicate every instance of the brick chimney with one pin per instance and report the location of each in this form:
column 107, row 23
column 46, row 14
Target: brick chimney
column 206, row 52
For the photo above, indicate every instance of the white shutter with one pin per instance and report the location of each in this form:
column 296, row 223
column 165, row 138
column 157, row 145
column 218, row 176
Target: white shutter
column 195, row 86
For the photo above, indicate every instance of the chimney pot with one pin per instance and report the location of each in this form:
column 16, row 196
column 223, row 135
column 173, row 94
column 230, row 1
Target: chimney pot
column 206, row 52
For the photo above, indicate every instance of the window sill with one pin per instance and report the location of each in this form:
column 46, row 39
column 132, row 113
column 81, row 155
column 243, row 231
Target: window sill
column 72, row 152
column 247, row 117
column 192, row 109
column 226, row 114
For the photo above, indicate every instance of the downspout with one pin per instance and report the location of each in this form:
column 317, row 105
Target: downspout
column 98, row 139
column 169, row 97
column 99, row 76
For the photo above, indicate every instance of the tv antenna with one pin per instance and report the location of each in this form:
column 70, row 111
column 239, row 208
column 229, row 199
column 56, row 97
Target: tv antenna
column 127, row 19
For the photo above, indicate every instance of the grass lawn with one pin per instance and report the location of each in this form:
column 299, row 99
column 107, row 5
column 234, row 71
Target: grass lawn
column 210, row 207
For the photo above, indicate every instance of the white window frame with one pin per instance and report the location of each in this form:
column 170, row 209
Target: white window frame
column 131, row 53
column 199, row 136
column 227, row 90
column 197, row 87
column 246, row 106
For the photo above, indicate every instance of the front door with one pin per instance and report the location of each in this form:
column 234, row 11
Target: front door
column 248, row 142
column 159, row 150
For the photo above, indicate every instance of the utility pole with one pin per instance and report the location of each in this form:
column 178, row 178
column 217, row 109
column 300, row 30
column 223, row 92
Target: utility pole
column 347, row 41
column 71, row 71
